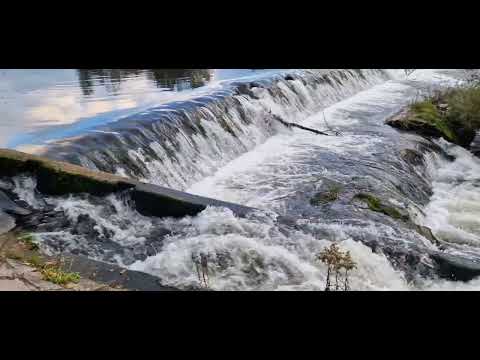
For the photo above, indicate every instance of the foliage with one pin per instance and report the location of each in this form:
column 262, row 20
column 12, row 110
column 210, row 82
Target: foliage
column 336, row 261
column 464, row 107
column 54, row 274
column 428, row 112
column 454, row 113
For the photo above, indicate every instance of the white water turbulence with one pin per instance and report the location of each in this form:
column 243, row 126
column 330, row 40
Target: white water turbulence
column 222, row 147
column 275, row 177
column 453, row 212
column 255, row 254
column 180, row 143
column 264, row 176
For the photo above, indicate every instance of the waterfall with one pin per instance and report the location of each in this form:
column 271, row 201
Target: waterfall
column 180, row 143
column 220, row 145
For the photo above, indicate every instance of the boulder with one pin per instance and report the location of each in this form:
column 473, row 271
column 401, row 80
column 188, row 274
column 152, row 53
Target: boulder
column 405, row 121
column 426, row 119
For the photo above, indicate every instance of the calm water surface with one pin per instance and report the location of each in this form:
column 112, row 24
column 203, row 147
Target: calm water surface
column 40, row 105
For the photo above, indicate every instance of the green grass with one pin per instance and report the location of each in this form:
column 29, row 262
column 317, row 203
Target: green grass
column 461, row 119
column 428, row 112
column 464, row 106
column 53, row 272
column 56, row 275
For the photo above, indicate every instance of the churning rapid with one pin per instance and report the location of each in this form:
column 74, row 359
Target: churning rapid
column 225, row 145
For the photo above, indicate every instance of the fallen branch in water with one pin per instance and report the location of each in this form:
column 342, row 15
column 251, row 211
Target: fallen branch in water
column 290, row 125
column 337, row 133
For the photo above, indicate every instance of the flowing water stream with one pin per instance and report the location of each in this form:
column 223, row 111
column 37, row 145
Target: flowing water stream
column 225, row 144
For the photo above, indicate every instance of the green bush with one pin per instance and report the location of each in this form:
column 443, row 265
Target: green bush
column 464, row 107
column 453, row 114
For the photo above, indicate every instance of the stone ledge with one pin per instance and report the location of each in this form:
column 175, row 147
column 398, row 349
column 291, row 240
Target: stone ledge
column 60, row 178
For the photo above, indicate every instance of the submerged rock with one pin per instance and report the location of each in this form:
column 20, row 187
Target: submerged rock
column 375, row 204
column 412, row 262
column 455, row 267
column 8, row 205
column 85, row 226
column 329, row 192
column 412, row 157
column 245, row 89
column 427, row 233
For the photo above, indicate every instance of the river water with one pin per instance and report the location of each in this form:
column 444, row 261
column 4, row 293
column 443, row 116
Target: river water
column 39, row 105
column 217, row 143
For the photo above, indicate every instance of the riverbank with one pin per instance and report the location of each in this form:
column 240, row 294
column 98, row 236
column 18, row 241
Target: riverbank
column 24, row 268
column 382, row 174
column 452, row 114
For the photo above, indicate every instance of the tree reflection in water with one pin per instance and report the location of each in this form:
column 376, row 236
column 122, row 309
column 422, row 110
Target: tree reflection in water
column 168, row 79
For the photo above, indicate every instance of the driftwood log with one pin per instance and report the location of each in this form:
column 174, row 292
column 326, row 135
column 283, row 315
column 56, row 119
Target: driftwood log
column 290, row 125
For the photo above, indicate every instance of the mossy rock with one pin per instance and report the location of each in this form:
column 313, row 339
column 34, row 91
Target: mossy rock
column 427, row 119
column 375, row 204
column 424, row 119
column 330, row 194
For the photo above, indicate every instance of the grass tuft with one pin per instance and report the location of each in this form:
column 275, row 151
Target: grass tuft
column 54, row 274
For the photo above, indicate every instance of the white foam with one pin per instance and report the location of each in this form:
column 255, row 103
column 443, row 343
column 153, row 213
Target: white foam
column 263, row 257
column 248, row 179
column 453, row 212
column 24, row 188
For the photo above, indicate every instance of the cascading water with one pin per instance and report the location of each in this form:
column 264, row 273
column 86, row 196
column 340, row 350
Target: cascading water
column 177, row 144
column 221, row 146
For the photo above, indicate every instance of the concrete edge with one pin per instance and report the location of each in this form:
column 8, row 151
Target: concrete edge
column 114, row 275
column 61, row 178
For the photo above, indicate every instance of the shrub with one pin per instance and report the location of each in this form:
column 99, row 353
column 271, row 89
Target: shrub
column 336, row 260
column 464, row 107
